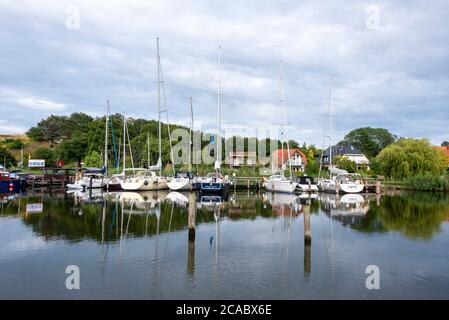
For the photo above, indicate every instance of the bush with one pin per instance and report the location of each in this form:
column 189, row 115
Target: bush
column 45, row 153
column 93, row 159
column 14, row 144
column 7, row 158
column 428, row 183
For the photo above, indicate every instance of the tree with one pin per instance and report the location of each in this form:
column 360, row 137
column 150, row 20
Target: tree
column 7, row 158
column 49, row 129
column 46, row 154
column 345, row 164
column 73, row 149
column 14, row 144
column 369, row 140
column 410, row 157
column 93, row 159
column 445, row 144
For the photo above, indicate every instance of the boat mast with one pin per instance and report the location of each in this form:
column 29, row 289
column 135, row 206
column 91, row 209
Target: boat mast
column 218, row 156
column 284, row 122
column 106, row 137
column 191, row 134
column 330, row 128
column 124, row 144
column 159, row 161
column 148, row 147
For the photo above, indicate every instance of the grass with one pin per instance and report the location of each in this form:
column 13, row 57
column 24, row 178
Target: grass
column 428, row 183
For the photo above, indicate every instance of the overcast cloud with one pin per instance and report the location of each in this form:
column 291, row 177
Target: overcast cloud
column 393, row 76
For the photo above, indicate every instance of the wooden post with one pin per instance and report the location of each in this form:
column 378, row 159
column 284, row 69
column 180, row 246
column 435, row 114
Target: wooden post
column 192, row 216
column 337, row 186
column 191, row 238
column 307, row 259
column 378, row 187
column 307, row 230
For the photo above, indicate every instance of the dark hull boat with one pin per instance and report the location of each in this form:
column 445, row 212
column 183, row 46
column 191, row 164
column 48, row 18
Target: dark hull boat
column 11, row 184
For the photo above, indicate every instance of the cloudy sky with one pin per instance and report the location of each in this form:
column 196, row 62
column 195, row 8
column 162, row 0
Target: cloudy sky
column 389, row 61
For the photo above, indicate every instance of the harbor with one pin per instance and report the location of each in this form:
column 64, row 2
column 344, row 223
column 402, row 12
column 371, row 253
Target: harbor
column 169, row 245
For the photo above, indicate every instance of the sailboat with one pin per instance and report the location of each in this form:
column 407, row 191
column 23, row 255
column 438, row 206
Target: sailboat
column 278, row 182
column 214, row 181
column 184, row 180
column 340, row 181
column 148, row 179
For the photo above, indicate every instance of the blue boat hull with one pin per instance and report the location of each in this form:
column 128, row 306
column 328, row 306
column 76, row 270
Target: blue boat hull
column 11, row 186
column 213, row 187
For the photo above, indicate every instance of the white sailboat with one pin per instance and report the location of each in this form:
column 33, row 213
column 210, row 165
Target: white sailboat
column 278, row 182
column 184, row 180
column 214, row 182
column 148, row 180
column 340, row 181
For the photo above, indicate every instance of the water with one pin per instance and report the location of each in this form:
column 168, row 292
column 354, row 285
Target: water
column 248, row 246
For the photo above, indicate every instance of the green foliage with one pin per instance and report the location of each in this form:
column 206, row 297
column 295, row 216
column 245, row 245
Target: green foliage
column 93, row 160
column 428, row 183
column 73, row 149
column 45, row 153
column 445, row 144
column 410, row 157
column 345, row 164
column 7, row 158
column 369, row 140
column 13, row 144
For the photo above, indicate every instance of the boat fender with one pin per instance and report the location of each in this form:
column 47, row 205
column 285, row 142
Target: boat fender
column 145, row 182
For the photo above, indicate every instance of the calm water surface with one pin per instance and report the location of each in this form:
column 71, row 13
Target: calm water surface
column 246, row 246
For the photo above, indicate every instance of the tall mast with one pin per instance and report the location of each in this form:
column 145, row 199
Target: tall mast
column 218, row 156
column 191, row 133
column 159, row 103
column 330, row 127
column 284, row 121
column 148, row 147
column 124, row 144
column 106, row 137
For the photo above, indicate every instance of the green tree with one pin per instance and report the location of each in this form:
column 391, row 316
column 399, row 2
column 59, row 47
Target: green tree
column 49, row 129
column 369, row 140
column 14, row 144
column 73, row 149
column 445, row 144
column 410, row 157
column 345, row 164
column 7, row 158
column 45, row 153
column 93, row 159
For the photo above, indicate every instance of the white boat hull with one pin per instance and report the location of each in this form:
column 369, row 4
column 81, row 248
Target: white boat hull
column 178, row 184
column 307, row 188
column 331, row 187
column 281, row 186
column 148, row 184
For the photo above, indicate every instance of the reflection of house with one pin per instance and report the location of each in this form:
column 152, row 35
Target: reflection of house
column 348, row 151
column 445, row 151
column 241, row 158
column 297, row 160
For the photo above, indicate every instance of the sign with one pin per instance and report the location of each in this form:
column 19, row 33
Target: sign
column 36, row 163
column 60, row 163
column 35, row 207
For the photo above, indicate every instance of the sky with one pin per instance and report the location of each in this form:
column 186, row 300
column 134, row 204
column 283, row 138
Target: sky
column 388, row 60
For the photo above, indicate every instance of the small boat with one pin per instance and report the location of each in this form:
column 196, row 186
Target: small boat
column 306, row 184
column 114, row 182
column 343, row 183
column 10, row 183
column 144, row 181
column 279, row 183
column 183, row 180
column 94, row 181
column 214, row 182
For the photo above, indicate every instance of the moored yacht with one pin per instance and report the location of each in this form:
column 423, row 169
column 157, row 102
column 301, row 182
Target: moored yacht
column 144, row 181
column 343, row 183
column 183, row 180
column 279, row 183
column 306, row 184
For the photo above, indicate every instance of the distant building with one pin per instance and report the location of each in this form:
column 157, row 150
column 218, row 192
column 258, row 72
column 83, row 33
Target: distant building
column 241, row 158
column 348, row 151
column 297, row 160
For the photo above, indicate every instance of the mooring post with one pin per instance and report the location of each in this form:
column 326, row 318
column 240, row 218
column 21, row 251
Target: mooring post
column 307, row 231
column 307, row 259
column 191, row 238
column 192, row 215
column 337, row 186
column 377, row 187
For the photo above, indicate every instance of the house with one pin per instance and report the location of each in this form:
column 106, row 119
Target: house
column 348, row 151
column 281, row 160
column 241, row 158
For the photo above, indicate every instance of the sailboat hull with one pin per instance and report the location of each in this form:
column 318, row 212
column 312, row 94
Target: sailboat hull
column 144, row 185
column 283, row 186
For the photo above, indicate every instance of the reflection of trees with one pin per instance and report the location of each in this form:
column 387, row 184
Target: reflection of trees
column 415, row 215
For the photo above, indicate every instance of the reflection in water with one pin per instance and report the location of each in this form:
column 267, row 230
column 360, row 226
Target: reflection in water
column 257, row 235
